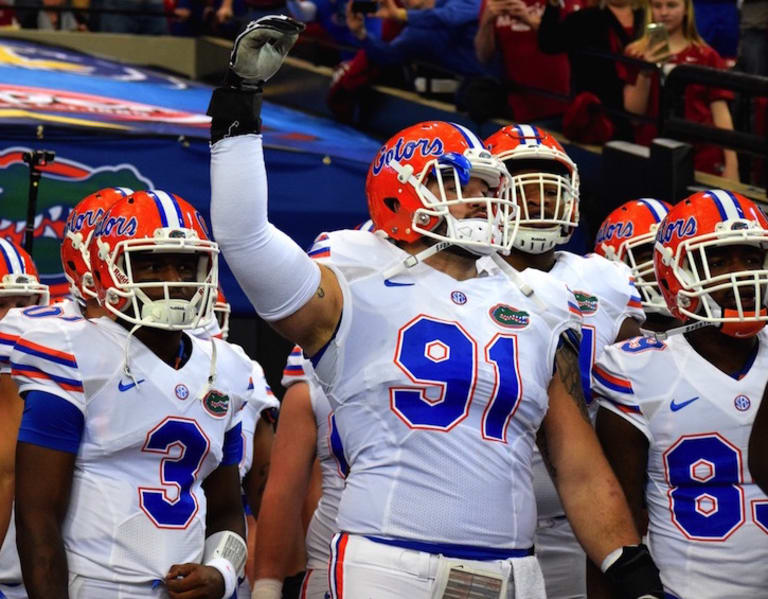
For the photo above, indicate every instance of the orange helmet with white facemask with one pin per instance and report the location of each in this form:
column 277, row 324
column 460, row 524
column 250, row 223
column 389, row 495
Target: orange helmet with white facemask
column 153, row 222
column 402, row 206
column 627, row 235
column 545, row 185
column 687, row 250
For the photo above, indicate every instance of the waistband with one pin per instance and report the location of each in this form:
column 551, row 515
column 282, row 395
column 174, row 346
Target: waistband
column 455, row 551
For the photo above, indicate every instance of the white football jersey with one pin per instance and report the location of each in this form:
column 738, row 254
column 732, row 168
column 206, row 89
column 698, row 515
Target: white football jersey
column 438, row 387
column 606, row 294
column 708, row 529
column 323, row 526
column 147, row 443
column 261, row 398
column 16, row 322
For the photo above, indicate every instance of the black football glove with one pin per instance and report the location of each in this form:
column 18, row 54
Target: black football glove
column 635, row 575
column 257, row 54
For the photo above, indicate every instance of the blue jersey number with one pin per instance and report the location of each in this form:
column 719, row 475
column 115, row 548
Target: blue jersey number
column 704, row 475
column 707, row 500
column 587, row 359
column 185, row 446
column 441, row 358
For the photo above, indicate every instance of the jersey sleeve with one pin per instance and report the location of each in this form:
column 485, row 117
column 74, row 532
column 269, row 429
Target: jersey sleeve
column 261, row 397
column 618, row 292
column 44, row 359
column 615, row 385
column 351, row 255
column 11, row 328
column 295, row 370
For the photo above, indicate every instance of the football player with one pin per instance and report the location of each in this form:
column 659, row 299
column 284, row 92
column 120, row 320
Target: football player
column 75, row 260
column 258, row 418
column 19, row 287
column 128, row 449
column 675, row 415
column 627, row 235
column 304, row 436
column 545, row 184
column 438, row 378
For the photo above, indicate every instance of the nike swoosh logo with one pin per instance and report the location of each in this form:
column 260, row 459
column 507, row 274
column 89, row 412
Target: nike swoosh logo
column 131, row 385
column 679, row 406
column 390, row 283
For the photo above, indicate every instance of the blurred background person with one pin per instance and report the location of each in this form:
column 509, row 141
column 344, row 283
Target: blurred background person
column 703, row 105
column 604, row 29
column 508, row 30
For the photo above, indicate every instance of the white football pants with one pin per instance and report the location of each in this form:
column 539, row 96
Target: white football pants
column 363, row 568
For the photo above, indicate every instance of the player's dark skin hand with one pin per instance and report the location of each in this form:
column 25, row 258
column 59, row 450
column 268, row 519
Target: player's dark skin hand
column 194, row 581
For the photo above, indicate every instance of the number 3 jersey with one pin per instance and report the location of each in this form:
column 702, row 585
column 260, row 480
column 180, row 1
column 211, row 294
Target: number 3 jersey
column 708, row 529
column 147, row 442
column 438, row 388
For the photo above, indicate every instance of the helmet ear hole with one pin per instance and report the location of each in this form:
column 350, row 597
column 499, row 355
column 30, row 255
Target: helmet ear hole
column 71, row 265
column 393, row 204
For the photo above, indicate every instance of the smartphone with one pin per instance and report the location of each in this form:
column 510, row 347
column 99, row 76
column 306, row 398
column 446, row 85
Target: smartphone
column 365, row 6
column 658, row 36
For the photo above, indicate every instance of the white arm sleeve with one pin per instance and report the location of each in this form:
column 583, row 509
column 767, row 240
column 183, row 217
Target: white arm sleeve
column 274, row 272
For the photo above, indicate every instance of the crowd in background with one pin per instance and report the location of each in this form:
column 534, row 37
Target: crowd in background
column 592, row 69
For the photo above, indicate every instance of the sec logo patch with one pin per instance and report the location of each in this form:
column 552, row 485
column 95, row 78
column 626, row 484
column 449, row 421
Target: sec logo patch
column 181, row 391
column 742, row 403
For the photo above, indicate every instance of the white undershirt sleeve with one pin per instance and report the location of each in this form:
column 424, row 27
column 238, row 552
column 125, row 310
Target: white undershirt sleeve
column 273, row 271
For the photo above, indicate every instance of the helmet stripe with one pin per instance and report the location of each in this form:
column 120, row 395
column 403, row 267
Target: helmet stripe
column 168, row 207
column 529, row 136
column 656, row 208
column 472, row 139
column 125, row 191
column 726, row 204
column 736, row 203
column 13, row 261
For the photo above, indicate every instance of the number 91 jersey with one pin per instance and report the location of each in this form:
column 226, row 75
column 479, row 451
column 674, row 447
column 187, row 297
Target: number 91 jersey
column 438, row 388
column 708, row 521
column 146, row 445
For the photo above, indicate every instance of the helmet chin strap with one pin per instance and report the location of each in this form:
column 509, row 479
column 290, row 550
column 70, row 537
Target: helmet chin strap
column 415, row 259
column 739, row 329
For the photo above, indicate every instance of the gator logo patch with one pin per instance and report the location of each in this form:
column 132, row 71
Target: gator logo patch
column 216, row 403
column 587, row 303
column 509, row 317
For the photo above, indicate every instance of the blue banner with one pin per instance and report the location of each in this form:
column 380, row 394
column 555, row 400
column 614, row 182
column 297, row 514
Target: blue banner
column 117, row 125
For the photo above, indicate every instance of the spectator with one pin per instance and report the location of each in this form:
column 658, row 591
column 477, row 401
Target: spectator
column 702, row 105
column 132, row 16
column 53, row 17
column 508, row 28
column 440, row 32
column 718, row 24
column 7, row 17
column 753, row 49
column 604, row 29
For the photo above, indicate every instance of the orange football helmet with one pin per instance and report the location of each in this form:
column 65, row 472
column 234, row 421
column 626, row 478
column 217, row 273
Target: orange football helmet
column 627, row 235
column 539, row 166
column 157, row 222
column 18, row 274
column 686, row 253
column 402, row 206
column 81, row 222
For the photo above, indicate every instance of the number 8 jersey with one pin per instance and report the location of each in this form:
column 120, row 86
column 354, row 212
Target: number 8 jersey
column 145, row 446
column 708, row 521
column 438, row 388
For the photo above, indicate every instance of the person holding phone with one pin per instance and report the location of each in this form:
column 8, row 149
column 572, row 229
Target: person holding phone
column 671, row 37
column 508, row 30
column 440, row 32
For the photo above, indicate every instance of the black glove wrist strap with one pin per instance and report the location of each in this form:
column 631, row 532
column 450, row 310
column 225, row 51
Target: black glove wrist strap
column 234, row 112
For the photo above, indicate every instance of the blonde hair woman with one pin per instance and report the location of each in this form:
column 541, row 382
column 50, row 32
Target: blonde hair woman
column 702, row 104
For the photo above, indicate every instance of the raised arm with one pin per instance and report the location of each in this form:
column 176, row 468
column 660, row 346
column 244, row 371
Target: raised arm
column 299, row 298
column 591, row 495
